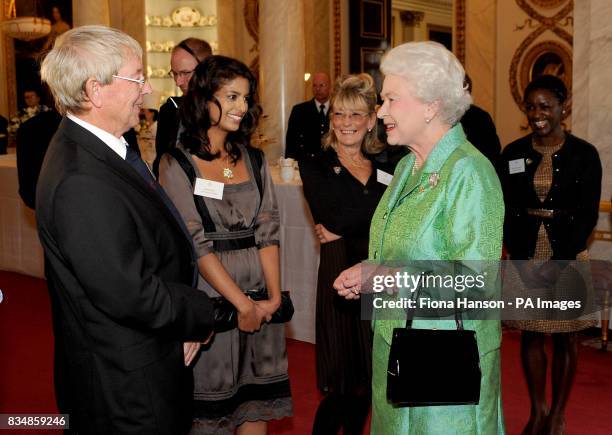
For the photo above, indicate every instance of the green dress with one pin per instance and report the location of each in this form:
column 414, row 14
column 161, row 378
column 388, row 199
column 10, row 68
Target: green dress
column 450, row 209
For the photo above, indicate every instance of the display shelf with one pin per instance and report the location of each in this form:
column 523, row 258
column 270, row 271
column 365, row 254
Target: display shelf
column 163, row 33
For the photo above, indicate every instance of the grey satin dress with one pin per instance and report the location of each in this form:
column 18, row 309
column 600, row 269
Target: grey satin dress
column 238, row 377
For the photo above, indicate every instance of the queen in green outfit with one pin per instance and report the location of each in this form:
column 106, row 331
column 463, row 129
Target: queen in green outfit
column 444, row 203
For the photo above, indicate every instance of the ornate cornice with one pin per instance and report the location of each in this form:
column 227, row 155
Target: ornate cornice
column 436, row 6
column 412, row 18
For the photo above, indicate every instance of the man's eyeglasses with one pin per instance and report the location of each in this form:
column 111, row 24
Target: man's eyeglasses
column 141, row 82
column 352, row 116
column 180, row 74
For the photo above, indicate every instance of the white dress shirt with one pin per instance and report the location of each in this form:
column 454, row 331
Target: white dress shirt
column 117, row 144
column 326, row 105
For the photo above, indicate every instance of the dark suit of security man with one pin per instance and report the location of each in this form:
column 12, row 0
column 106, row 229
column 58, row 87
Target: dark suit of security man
column 309, row 121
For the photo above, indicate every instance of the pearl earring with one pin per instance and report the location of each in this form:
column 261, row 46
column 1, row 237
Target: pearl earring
column 427, row 120
column 369, row 130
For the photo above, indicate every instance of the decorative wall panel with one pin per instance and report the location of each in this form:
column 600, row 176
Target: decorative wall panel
column 547, row 49
column 251, row 21
column 459, row 36
column 337, row 30
column 370, row 36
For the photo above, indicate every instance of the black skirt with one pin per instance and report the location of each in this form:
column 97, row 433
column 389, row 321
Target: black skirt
column 344, row 341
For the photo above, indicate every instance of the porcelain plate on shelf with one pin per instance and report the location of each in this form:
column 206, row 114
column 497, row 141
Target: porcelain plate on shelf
column 186, row 16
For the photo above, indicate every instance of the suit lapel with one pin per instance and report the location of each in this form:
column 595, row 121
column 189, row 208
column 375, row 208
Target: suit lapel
column 313, row 111
column 92, row 144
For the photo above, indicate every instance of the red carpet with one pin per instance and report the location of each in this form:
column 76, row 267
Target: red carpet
column 26, row 381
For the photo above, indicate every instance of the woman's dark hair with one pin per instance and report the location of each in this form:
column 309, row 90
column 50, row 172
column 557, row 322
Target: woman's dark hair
column 209, row 76
column 550, row 83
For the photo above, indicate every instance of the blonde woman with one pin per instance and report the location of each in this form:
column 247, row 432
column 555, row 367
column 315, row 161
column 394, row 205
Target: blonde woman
column 342, row 189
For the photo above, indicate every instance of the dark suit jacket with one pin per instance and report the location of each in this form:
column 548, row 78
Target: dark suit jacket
column 3, row 134
column 120, row 268
column 480, row 132
column 33, row 139
column 131, row 137
column 304, row 131
column 167, row 130
column 574, row 195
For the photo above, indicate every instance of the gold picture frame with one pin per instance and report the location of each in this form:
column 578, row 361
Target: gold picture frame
column 547, row 57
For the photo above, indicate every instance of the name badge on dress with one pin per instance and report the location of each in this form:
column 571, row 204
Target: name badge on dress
column 383, row 177
column 208, row 188
column 516, row 166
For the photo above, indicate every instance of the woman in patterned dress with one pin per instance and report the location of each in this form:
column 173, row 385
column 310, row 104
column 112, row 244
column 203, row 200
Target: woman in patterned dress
column 552, row 185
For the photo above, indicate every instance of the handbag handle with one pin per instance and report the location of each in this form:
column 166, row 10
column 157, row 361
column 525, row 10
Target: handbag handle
column 410, row 314
column 458, row 321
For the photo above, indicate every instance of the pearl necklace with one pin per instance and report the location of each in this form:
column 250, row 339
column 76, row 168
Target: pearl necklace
column 416, row 167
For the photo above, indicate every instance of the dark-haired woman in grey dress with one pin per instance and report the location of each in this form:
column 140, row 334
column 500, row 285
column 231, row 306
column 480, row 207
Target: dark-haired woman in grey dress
column 241, row 377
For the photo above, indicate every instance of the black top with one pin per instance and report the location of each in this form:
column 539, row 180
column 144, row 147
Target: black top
column 305, row 130
column 340, row 202
column 131, row 137
column 167, row 129
column 33, row 139
column 480, row 132
column 574, row 196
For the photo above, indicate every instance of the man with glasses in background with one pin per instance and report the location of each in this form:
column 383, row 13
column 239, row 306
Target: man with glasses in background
column 119, row 261
column 186, row 55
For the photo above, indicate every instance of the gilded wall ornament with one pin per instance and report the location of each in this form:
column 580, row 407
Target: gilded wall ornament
column 251, row 21
column 336, row 20
column 548, row 4
column 459, row 36
column 547, row 57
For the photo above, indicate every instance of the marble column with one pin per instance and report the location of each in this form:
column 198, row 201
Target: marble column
column 480, row 52
column 317, row 36
column 281, row 46
column 592, row 108
column 8, row 94
column 129, row 17
column 90, row 12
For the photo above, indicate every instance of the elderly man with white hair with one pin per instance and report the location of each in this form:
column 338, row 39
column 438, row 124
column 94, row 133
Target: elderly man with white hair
column 119, row 262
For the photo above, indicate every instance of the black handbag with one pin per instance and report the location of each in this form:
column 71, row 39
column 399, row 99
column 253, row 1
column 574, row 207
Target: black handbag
column 430, row 367
column 226, row 316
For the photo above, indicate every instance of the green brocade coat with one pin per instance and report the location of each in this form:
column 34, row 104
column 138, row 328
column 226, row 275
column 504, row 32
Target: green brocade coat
column 451, row 209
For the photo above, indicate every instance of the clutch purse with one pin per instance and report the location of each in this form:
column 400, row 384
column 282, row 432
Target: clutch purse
column 430, row 367
column 226, row 316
